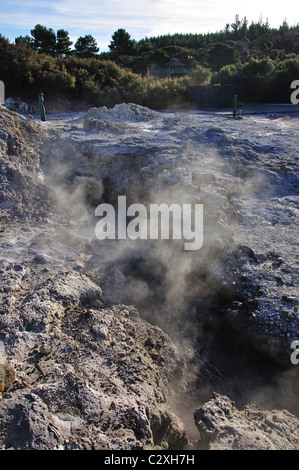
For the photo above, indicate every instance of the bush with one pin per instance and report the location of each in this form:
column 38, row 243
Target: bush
column 200, row 76
column 226, row 75
column 253, row 72
column 287, row 71
column 155, row 93
column 220, row 55
column 258, row 71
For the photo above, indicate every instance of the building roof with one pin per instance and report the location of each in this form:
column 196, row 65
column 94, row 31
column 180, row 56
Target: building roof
column 172, row 68
column 173, row 63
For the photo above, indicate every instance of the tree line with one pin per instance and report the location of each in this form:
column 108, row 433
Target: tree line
column 45, row 41
column 236, row 43
column 49, row 61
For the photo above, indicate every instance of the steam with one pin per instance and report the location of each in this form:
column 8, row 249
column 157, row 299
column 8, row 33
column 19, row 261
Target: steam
column 167, row 283
column 182, row 292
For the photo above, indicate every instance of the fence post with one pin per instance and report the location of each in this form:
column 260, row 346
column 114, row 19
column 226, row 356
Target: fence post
column 235, row 106
column 41, row 106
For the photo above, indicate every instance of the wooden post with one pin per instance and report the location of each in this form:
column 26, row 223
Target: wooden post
column 42, row 110
column 235, row 106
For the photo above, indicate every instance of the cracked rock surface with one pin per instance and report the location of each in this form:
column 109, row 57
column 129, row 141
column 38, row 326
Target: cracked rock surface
column 116, row 344
column 252, row 428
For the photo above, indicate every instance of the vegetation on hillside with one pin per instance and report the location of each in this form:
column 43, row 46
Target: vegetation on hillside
column 239, row 54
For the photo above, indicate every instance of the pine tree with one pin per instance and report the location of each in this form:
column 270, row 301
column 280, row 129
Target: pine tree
column 244, row 27
column 236, row 25
column 63, row 44
column 44, row 39
column 86, row 46
column 121, row 43
column 26, row 40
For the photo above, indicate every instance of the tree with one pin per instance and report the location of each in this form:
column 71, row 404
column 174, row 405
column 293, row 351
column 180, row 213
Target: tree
column 63, row 43
column 227, row 29
column 285, row 27
column 236, row 26
column 44, row 39
column 158, row 56
column 244, row 27
column 258, row 71
column 86, row 46
column 26, row 40
column 221, row 54
column 121, row 43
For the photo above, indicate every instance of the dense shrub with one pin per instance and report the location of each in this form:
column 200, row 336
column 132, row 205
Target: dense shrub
column 101, row 82
column 157, row 93
column 255, row 56
column 200, row 76
column 255, row 72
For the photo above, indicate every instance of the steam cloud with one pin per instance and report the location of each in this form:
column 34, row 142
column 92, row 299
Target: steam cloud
column 182, row 292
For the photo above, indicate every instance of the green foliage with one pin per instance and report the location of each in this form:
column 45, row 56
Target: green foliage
column 156, row 93
column 121, row 43
column 26, row 40
column 86, row 46
column 44, row 39
column 240, row 54
column 226, row 75
column 287, row 71
column 200, row 76
column 264, row 71
column 221, row 54
column 63, row 43
column 158, row 56
column 257, row 39
column 258, row 71
column 102, row 82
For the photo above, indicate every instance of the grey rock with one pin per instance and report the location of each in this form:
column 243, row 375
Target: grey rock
column 101, row 331
column 224, row 427
column 98, row 334
column 26, row 424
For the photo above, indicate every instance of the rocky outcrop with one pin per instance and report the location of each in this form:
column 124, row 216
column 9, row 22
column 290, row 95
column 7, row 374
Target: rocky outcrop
column 224, row 427
column 87, row 375
column 246, row 180
column 24, row 196
column 98, row 336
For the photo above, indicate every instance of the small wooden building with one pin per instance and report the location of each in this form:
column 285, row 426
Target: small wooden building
column 173, row 68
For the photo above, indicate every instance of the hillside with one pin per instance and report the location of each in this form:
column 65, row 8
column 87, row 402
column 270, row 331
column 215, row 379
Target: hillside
column 255, row 55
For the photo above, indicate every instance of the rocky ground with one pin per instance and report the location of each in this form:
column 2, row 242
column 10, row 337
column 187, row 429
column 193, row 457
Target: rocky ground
column 122, row 344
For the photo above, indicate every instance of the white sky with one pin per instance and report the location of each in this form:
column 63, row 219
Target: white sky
column 139, row 17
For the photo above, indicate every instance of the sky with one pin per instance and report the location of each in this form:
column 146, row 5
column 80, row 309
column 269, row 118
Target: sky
column 141, row 18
